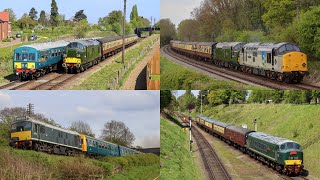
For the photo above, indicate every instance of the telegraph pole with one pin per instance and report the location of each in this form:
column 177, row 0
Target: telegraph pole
column 30, row 108
column 124, row 29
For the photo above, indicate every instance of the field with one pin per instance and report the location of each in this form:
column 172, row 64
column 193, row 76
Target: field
column 300, row 123
column 176, row 161
column 174, row 76
column 27, row 164
column 102, row 78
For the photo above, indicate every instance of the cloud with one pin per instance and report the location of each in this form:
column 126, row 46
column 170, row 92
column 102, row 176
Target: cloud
column 5, row 99
column 149, row 141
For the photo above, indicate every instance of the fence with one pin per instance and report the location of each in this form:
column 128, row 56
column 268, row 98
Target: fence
column 119, row 74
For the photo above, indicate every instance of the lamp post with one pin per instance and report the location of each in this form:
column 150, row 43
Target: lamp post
column 202, row 95
column 124, row 30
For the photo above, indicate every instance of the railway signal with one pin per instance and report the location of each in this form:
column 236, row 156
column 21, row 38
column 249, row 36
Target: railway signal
column 30, row 109
column 190, row 131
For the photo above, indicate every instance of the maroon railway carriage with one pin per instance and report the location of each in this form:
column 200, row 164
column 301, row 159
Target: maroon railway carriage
column 237, row 136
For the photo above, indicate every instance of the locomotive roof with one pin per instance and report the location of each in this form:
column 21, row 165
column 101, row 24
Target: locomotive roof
column 269, row 138
column 228, row 44
column 45, row 46
column 27, row 118
column 239, row 129
column 86, row 42
column 265, row 46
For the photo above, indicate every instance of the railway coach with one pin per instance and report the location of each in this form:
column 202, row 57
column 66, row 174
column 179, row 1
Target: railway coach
column 33, row 61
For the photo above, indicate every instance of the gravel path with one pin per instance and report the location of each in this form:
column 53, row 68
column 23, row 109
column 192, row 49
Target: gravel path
column 132, row 82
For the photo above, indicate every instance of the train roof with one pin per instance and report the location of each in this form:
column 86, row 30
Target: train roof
column 27, row 118
column 239, row 129
column 265, row 46
column 206, row 43
column 228, row 44
column 89, row 137
column 45, row 46
column 216, row 122
column 86, row 42
column 114, row 38
column 269, row 138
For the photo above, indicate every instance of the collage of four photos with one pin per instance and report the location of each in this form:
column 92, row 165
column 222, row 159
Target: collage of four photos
column 163, row 89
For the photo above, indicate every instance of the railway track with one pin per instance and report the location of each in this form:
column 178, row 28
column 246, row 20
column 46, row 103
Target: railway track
column 237, row 76
column 212, row 163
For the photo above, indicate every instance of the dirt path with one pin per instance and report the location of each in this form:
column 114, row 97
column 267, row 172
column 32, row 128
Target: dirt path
column 133, row 82
column 12, row 43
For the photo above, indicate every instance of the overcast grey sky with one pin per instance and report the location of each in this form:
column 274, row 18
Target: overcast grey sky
column 178, row 10
column 139, row 110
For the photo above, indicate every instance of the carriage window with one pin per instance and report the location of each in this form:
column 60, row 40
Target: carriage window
column 18, row 57
column 255, row 54
column 32, row 56
column 52, row 55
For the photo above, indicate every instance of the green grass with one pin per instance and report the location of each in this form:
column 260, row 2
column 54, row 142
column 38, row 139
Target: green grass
column 104, row 77
column 28, row 164
column 175, row 158
column 145, row 173
column 300, row 123
column 174, row 76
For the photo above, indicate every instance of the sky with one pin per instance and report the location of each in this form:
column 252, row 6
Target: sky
column 93, row 8
column 178, row 10
column 139, row 110
column 182, row 92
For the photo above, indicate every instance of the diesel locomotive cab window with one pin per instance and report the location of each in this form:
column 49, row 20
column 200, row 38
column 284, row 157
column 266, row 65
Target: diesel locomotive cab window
column 18, row 57
column 32, row 56
column 24, row 56
column 21, row 126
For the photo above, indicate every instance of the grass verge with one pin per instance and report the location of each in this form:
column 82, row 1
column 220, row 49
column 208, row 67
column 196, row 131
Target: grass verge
column 175, row 158
column 174, row 76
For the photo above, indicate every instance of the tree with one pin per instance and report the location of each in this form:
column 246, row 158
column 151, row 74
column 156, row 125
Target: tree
column 33, row 13
column 188, row 30
column 217, row 97
column 43, row 19
column 316, row 96
column 165, row 99
column 187, row 101
column 134, row 16
column 168, row 31
column 54, row 14
column 12, row 14
column 79, row 16
column 117, row 132
column 26, row 23
column 112, row 22
column 81, row 28
column 82, row 128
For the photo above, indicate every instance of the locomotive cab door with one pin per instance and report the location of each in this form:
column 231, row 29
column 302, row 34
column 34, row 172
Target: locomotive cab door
column 36, row 131
column 272, row 59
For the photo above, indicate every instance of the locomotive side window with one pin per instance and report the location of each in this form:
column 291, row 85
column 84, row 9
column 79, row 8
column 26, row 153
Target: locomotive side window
column 24, row 56
column 269, row 58
column 42, row 130
column 32, row 56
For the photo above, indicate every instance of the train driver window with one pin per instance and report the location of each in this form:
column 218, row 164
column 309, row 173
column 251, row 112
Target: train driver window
column 42, row 130
column 18, row 57
column 32, row 56
column 24, row 56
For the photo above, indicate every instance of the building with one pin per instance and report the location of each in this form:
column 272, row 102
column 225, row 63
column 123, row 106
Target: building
column 5, row 26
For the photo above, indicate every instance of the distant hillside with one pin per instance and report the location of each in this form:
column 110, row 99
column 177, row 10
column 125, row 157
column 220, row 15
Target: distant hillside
column 176, row 161
column 300, row 123
column 28, row 164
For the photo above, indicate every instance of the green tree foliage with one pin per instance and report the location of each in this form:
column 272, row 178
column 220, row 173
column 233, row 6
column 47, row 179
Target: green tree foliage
column 294, row 97
column 33, row 14
column 187, row 101
column 54, row 14
column 12, row 14
column 168, row 31
column 134, row 16
column 81, row 28
column 26, row 23
column 112, row 22
column 79, row 16
column 165, row 99
column 264, row 96
column 188, row 30
column 217, row 97
column 204, row 95
column 43, row 19
column 316, row 96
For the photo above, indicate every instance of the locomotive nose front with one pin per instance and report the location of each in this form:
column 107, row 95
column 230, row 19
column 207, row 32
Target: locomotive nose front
column 295, row 62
